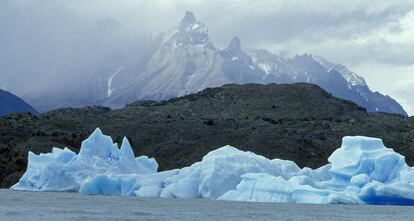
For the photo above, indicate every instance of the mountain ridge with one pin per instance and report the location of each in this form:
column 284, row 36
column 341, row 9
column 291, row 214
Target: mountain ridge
column 10, row 103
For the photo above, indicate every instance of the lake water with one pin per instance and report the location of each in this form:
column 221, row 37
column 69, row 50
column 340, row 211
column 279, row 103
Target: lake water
column 72, row 206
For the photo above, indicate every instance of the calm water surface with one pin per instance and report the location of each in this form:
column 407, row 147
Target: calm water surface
column 72, row 206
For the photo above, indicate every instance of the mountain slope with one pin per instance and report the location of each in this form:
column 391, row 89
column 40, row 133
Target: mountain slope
column 184, row 61
column 10, row 103
column 335, row 78
column 299, row 122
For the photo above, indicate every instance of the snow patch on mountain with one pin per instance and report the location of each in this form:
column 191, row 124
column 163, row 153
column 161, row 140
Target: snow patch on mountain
column 110, row 80
column 351, row 77
column 265, row 68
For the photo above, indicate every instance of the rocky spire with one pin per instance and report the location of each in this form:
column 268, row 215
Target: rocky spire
column 188, row 19
column 192, row 31
column 234, row 45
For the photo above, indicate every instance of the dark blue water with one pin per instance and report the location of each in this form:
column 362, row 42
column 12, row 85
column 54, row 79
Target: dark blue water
column 72, row 206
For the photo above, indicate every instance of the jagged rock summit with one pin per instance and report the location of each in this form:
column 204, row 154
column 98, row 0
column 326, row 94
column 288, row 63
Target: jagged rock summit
column 234, row 45
column 192, row 31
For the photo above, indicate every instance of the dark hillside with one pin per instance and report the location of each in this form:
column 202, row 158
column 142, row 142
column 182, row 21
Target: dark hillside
column 299, row 122
column 10, row 103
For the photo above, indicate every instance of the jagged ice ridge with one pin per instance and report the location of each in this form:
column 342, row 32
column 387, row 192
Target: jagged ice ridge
column 361, row 171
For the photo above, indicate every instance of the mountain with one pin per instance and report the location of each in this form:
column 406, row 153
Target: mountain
column 10, row 103
column 184, row 60
column 299, row 122
column 335, row 78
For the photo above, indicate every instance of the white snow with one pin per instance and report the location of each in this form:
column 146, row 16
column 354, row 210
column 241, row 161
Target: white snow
column 265, row 68
column 235, row 58
column 110, row 80
column 362, row 171
column 194, row 27
column 351, row 77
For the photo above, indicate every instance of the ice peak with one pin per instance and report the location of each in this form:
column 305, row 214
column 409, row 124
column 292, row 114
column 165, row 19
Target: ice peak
column 126, row 149
column 364, row 143
column 125, row 142
column 97, row 144
column 97, row 132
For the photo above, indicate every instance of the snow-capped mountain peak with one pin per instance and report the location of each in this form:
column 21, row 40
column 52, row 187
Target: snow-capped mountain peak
column 351, row 77
column 334, row 78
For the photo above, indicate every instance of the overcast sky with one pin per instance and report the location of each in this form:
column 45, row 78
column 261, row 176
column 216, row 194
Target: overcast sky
column 373, row 38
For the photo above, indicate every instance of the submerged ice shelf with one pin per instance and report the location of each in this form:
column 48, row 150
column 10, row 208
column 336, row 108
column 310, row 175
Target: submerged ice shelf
column 361, row 171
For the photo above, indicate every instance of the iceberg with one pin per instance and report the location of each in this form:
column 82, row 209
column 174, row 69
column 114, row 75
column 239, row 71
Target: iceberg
column 64, row 170
column 220, row 171
column 361, row 171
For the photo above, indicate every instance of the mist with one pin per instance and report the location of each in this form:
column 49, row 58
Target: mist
column 50, row 45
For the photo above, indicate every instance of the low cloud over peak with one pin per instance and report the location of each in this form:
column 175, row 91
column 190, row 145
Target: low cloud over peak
column 374, row 39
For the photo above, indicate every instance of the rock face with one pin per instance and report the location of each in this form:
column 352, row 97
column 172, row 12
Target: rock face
column 298, row 122
column 10, row 103
column 183, row 61
column 362, row 171
column 191, row 31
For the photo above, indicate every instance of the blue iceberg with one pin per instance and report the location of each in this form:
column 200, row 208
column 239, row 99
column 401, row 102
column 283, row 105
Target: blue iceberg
column 361, row 171
column 64, row 170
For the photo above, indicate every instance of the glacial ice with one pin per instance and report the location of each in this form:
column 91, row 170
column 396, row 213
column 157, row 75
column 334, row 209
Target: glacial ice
column 361, row 171
column 64, row 170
